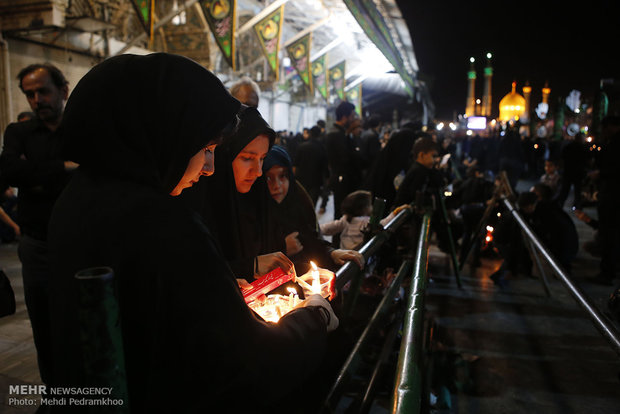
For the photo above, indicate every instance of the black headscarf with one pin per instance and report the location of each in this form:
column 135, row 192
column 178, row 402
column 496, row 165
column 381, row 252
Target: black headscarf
column 134, row 139
column 241, row 222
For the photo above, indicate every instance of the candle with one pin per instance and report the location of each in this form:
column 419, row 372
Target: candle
column 316, row 279
column 291, row 296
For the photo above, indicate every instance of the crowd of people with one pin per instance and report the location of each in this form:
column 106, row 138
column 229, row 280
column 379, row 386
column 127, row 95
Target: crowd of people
column 96, row 187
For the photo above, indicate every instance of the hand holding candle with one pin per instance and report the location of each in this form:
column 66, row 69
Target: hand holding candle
column 318, row 281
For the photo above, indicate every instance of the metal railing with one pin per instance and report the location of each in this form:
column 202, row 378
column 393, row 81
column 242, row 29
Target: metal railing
column 606, row 328
column 351, row 272
column 407, row 396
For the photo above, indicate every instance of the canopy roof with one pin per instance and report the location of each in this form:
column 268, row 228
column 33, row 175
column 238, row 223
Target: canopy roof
column 103, row 28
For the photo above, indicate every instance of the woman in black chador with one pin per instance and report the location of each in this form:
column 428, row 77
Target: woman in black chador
column 239, row 215
column 143, row 128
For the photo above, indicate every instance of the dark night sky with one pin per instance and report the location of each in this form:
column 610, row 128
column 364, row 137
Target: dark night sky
column 570, row 45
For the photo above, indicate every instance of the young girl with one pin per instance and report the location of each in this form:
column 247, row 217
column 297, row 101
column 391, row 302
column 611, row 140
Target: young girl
column 356, row 208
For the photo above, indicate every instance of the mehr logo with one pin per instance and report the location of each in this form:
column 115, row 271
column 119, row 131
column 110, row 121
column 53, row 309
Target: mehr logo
column 27, row 389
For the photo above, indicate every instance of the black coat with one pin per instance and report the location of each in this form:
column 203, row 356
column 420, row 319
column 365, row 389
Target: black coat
column 311, row 164
column 31, row 160
column 186, row 329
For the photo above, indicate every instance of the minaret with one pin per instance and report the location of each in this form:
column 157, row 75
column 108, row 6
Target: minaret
column 527, row 90
column 486, row 97
column 546, row 91
column 470, row 105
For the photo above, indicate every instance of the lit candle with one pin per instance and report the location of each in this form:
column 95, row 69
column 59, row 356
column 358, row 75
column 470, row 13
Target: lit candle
column 316, row 279
column 291, row 296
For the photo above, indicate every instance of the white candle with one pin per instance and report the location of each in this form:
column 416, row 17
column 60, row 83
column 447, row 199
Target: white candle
column 316, row 279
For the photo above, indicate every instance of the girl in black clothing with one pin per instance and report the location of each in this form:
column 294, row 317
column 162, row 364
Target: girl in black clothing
column 295, row 216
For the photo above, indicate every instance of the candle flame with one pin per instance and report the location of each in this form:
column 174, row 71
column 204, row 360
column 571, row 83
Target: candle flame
column 314, row 268
column 291, row 290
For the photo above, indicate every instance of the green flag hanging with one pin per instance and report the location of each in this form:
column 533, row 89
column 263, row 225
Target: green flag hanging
column 320, row 76
column 220, row 15
column 354, row 95
column 299, row 52
column 336, row 77
column 144, row 9
column 374, row 25
column 268, row 31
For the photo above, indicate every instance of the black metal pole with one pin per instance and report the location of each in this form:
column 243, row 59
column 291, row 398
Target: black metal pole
column 606, row 328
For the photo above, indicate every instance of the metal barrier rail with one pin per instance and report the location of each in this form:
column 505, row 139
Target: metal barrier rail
column 607, row 329
column 350, row 269
column 407, row 397
column 377, row 318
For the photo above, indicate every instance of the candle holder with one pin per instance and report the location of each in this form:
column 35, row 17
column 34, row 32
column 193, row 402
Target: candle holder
column 317, row 280
column 272, row 307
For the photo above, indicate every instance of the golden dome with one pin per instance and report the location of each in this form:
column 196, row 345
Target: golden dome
column 512, row 106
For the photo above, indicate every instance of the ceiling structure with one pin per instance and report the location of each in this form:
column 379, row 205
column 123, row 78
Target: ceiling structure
column 103, row 28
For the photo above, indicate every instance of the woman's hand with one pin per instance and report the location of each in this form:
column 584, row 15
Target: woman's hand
column 329, row 317
column 340, row 256
column 244, row 284
column 400, row 208
column 267, row 262
column 293, row 245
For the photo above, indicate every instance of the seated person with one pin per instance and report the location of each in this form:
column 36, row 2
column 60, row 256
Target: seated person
column 186, row 329
column 356, row 208
column 294, row 213
column 473, row 194
column 551, row 223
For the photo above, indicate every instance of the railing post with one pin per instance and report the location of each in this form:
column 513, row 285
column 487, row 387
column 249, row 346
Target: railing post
column 100, row 334
column 407, row 397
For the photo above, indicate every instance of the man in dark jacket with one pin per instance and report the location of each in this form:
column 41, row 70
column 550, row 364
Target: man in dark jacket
column 342, row 158
column 32, row 162
column 311, row 164
column 370, row 146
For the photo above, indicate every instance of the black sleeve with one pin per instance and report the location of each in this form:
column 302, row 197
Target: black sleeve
column 221, row 347
column 17, row 169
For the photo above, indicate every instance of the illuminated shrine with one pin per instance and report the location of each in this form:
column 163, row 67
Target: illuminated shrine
column 512, row 106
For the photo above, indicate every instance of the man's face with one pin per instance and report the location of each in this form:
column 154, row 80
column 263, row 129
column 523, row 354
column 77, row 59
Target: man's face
column 247, row 96
column 428, row 159
column 549, row 167
column 45, row 98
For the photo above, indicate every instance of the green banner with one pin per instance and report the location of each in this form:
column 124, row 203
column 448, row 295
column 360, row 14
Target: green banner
column 373, row 24
column 299, row 52
column 269, row 31
column 320, row 76
column 144, row 10
column 220, row 15
column 336, row 77
column 354, row 95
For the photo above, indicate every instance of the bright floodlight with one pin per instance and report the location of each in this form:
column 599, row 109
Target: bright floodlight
column 489, row 55
column 472, row 60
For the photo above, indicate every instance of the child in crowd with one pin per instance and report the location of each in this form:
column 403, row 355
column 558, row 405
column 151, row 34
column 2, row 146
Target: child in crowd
column 356, row 208
column 551, row 177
